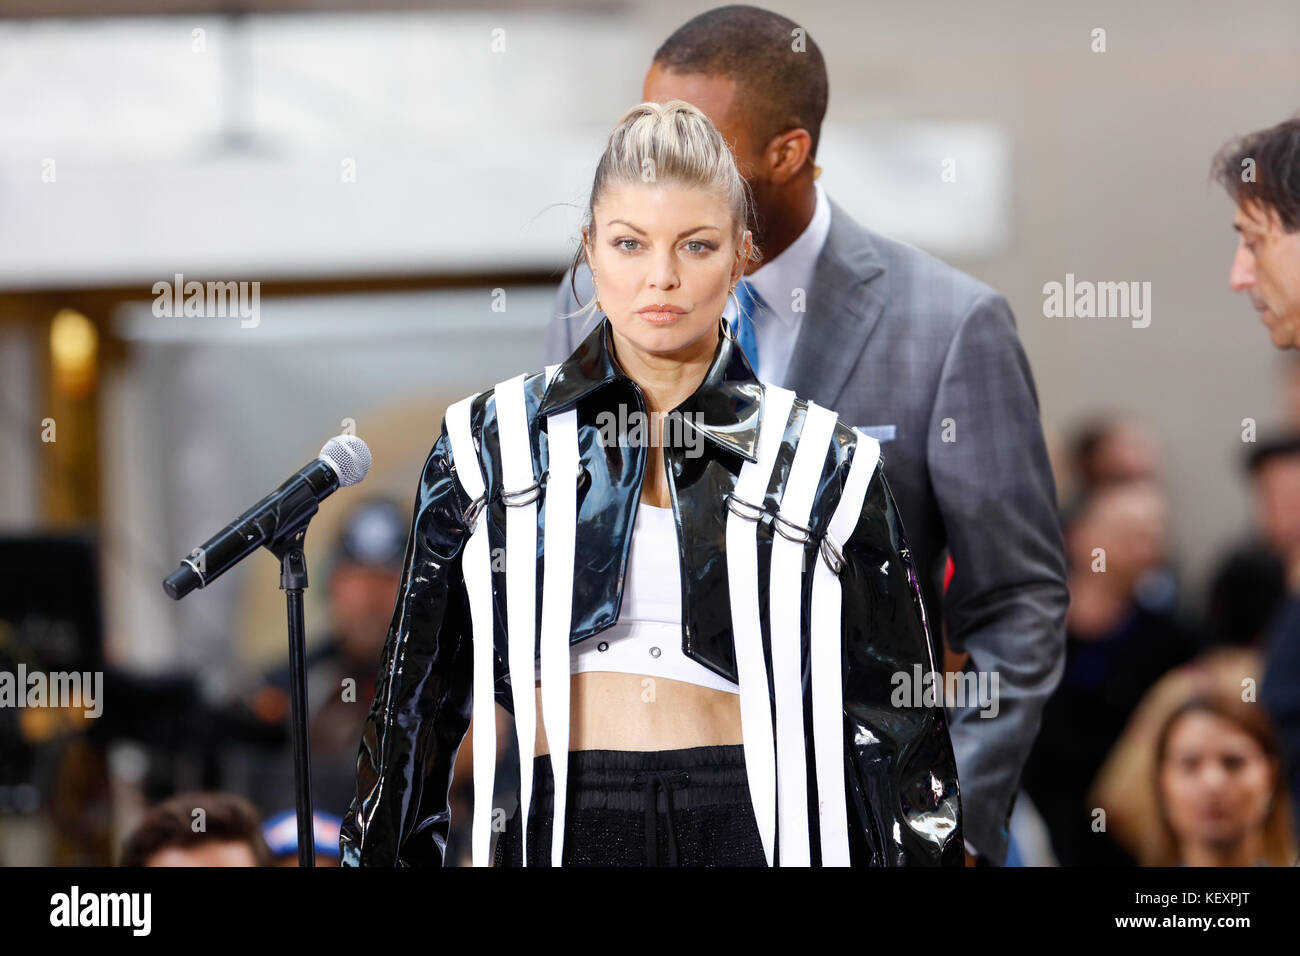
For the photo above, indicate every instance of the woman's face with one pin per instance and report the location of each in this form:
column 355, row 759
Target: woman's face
column 664, row 258
column 1216, row 780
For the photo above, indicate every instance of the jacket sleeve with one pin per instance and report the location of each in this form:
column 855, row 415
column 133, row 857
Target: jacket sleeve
column 1007, row 601
column 400, row 815
column 901, row 775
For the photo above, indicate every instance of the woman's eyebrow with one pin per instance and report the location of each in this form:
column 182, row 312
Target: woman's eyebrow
column 679, row 235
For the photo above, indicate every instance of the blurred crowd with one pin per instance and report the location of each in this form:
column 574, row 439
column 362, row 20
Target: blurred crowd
column 1174, row 736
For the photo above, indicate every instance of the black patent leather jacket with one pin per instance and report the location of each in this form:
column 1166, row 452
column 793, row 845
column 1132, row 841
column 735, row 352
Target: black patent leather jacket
column 902, row 795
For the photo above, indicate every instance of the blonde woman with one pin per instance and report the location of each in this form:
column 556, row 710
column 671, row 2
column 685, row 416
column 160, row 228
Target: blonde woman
column 692, row 590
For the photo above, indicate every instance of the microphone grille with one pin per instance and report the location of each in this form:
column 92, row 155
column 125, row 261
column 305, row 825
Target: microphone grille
column 349, row 456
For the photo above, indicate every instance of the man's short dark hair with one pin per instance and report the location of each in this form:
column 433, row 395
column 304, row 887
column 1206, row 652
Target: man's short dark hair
column 227, row 819
column 778, row 89
column 1272, row 158
column 1283, row 445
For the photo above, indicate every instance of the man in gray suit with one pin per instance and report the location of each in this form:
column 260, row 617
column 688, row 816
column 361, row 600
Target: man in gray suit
column 923, row 357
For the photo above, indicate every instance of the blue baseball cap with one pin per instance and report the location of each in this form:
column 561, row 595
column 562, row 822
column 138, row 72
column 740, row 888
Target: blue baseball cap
column 281, row 834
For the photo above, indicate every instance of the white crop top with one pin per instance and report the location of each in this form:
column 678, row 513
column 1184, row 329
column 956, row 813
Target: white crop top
column 648, row 636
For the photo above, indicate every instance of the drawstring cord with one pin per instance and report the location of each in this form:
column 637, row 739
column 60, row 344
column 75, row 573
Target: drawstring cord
column 652, row 781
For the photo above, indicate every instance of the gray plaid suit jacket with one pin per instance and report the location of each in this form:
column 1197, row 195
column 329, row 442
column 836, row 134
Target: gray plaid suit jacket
column 901, row 344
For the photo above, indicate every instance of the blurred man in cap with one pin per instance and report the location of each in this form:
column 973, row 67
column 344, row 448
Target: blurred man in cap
column 363, row 575
column 1261, row 171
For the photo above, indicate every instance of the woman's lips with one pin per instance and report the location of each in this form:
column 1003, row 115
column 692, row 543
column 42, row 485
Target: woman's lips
column 661, row 318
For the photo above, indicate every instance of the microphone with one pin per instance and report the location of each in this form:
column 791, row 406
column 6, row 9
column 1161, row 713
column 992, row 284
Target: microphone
column 343, row 461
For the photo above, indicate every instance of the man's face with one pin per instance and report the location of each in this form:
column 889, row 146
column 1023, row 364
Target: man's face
column 362, row 599
column 1267, row 268
column 1277, row 497
column 213, row 853
column 1130, row 522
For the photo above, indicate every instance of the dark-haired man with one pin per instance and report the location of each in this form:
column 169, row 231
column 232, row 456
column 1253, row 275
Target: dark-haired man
column 198, row 829
column 1261, row 171
column 920, row 356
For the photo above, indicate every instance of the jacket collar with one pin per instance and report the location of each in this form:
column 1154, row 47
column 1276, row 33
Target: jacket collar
column 844, row 307
column 725, row 409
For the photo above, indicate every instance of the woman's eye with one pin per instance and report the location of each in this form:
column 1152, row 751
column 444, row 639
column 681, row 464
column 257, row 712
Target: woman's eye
column 699, row 245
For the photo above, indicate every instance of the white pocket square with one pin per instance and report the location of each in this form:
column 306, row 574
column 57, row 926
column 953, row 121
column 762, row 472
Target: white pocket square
column 879, row 432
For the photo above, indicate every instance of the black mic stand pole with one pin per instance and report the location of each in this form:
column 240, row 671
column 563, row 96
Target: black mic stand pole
column 293, row 581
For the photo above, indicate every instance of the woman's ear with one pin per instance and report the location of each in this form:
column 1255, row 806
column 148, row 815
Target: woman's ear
column 746, row 250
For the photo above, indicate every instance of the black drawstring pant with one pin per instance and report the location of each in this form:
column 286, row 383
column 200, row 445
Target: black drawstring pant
column 643, row 808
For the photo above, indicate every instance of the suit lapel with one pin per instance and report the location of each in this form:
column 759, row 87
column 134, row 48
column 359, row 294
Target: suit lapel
column 844, row 307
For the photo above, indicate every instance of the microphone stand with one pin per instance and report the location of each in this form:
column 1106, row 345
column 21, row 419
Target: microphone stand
column 284, row 516
column 293, row 581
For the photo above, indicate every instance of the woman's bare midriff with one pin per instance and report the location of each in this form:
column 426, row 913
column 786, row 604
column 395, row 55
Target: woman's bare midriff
column 610, row 711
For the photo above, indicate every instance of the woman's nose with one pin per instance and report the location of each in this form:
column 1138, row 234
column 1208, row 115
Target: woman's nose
column 663, row 275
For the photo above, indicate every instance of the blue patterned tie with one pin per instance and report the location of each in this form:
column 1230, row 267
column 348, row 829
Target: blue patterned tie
column 750, row 303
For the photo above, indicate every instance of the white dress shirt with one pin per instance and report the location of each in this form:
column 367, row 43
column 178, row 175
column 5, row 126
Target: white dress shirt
column 777, row 326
